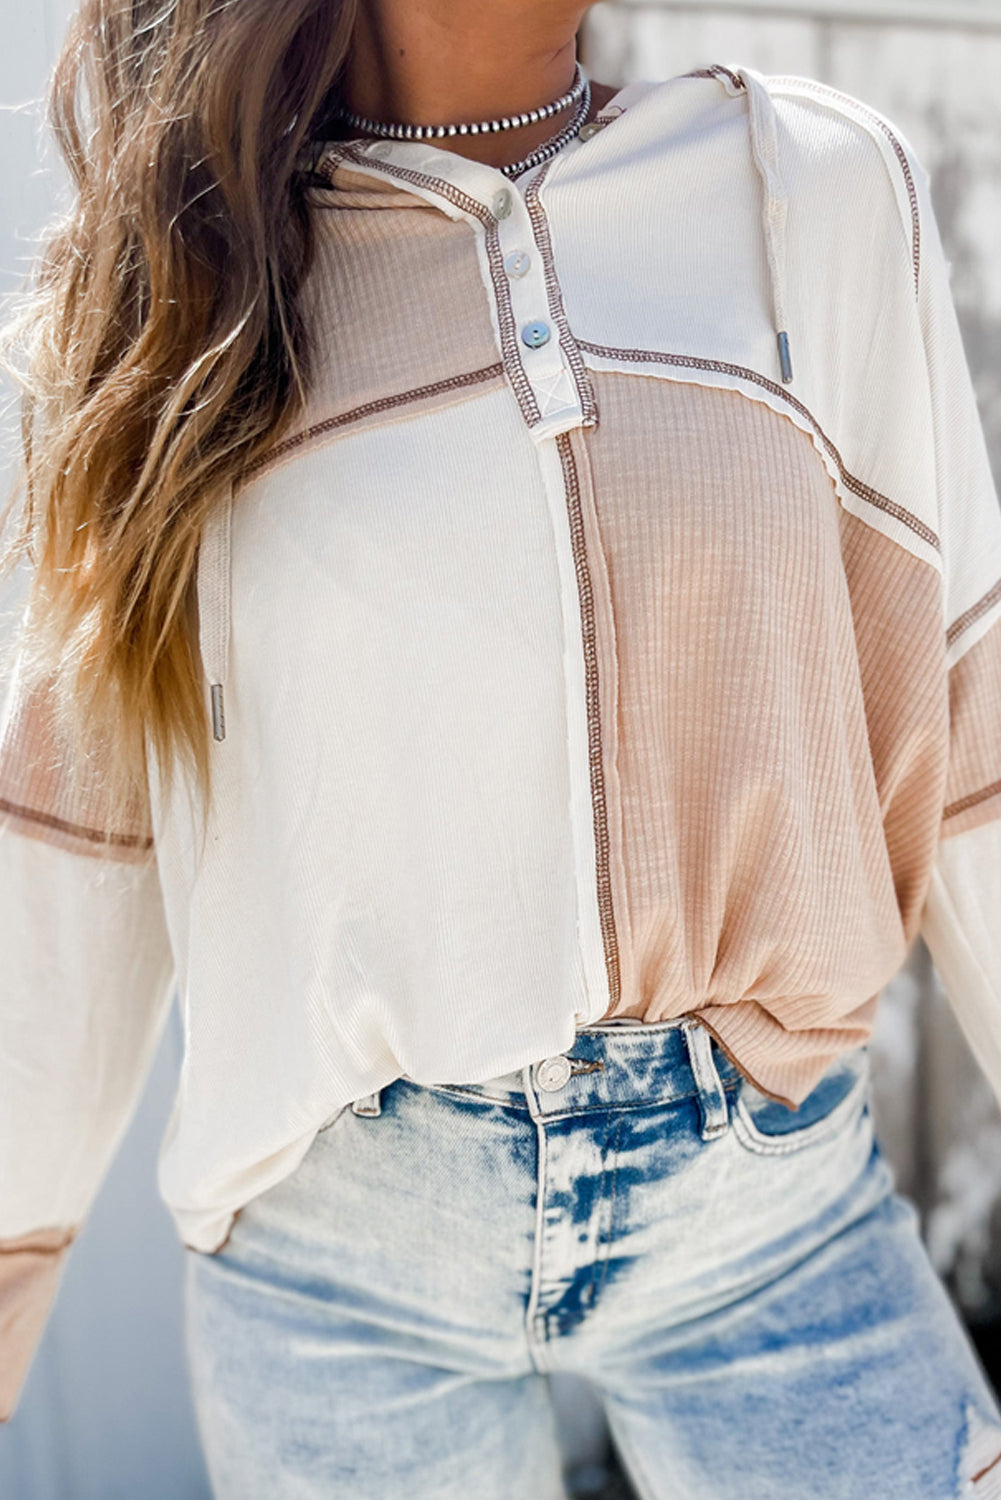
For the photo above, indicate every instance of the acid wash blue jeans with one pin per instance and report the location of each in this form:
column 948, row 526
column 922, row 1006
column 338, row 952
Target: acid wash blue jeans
column 738, row 1281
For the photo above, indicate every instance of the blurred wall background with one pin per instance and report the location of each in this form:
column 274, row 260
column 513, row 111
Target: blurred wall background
column 106, row 1414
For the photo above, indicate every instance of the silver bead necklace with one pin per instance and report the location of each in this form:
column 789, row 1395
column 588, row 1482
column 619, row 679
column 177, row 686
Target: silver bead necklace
column 580, row 91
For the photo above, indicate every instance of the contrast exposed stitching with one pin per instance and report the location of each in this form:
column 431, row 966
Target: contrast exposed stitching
column 383, row 403
column 976, row 1478
column 540, row 230
column 898, row 151
column 979, row 1459
column 330, row 160
column 716, row 71
column 585, row 594
column 972, row 800
column 39, row 1242
column 857, row 486
column 78, row 830
column 759, row 1141
column 577, row 1066
column 741, row 1067
column 505, row 314
column 447, row 189
column 969, row 616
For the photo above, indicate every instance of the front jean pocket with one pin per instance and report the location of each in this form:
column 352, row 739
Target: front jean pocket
column 768, row 1128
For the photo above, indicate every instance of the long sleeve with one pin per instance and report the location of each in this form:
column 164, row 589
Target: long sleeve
column 961, row 919
column 84, row 994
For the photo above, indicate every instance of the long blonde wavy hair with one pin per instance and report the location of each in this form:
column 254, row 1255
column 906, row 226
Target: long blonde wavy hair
column 160, row 345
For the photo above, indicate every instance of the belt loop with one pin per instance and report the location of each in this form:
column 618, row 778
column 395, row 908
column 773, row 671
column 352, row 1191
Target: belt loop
column 712, row 1098
column 369, row 1104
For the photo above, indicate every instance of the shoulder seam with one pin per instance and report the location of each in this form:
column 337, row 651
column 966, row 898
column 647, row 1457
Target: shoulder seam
column 871, row 121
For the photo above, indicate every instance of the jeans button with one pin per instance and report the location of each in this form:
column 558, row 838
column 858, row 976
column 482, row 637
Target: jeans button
column 552, row 1074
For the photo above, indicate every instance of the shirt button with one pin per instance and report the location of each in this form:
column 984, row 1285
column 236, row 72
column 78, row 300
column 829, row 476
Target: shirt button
column 587, row 131
column 517, row 263
column 380, row 148
column 501, row 204
column 535, row 334
column 552, row 1074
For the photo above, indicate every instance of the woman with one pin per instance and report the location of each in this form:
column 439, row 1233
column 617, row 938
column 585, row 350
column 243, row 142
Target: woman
column 516, row 635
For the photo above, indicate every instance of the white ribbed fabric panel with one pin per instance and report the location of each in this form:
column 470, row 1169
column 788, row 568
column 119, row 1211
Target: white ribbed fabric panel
column 613, row 677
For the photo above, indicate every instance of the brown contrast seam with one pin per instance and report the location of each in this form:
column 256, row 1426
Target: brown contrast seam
column 962, row 803
column 857, row 486
column 33, row 1243
column 716, row 71
column 695, row 1015
column 898, row 151
column 981, row 1472
column 969, row 616
column 383, row 403
column 60, row 825
column 585, row 594
column 540, row 231
column 330, row 160
column 505, row 315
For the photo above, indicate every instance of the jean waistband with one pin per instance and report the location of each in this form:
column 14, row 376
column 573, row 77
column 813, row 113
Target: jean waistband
column 611, row 1066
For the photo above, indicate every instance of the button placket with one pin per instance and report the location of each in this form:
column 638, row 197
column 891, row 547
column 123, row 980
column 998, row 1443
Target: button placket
column 517, row 263
column 542, row 359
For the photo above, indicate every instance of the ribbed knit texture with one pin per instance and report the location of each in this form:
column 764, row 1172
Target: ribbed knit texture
column 779, row 756
column 611, row 676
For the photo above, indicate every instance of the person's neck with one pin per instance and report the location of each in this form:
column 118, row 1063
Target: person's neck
column 438, row 61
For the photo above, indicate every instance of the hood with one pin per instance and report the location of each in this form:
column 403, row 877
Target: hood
column 360, row 189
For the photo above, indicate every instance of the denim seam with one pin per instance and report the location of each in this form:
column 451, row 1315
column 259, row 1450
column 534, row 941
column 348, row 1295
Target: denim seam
column 713, row 1111
column 517, row 1101
column 623, row 1107
column 753, row 1139
column 536, row 1343
column 642, row 1030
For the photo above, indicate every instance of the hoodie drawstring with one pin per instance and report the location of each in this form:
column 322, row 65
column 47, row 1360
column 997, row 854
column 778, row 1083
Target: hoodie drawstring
column 765, row 151
column 214, row 605
column 214, row 553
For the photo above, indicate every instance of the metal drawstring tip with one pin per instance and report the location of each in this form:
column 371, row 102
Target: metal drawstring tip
column 785, row 358
column 218, row 713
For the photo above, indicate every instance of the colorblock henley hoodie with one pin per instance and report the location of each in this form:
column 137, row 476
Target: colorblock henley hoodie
column 617, row 635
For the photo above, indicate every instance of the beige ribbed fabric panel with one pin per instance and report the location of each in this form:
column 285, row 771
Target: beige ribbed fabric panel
column 30, row 1269
column 774, row 730
column 973, row 790
column 29, row 1280
column 45, row 795
column 380, row 249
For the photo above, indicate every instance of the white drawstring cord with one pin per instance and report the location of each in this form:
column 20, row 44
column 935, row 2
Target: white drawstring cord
column 214, row 582
column 765, row 150
column 214, row 586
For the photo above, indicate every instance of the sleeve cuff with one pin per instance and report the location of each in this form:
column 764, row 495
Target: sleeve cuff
column 30, row 1270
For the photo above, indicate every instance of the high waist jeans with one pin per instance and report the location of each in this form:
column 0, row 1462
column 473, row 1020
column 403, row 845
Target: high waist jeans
column 739, row 1281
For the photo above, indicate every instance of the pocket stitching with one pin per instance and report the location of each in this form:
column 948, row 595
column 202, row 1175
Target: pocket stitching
column 753, row 1139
